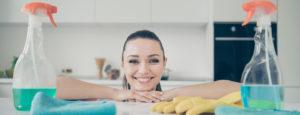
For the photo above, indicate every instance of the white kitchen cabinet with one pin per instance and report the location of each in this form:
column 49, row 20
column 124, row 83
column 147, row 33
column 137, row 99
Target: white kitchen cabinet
column 123, row 11
column 73, row 11
column 180, row 11
column 114, row 11
column 152, row 11
column 232, row 11
column 10, row 11
column 67, row 11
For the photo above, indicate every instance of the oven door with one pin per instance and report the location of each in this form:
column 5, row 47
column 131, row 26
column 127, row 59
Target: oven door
column 233, row 48
column 231, row 56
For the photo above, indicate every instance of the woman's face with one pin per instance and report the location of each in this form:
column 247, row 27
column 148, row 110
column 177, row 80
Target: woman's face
column 143, row 64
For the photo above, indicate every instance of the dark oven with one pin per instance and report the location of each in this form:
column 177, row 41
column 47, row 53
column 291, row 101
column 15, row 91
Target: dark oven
column 233, row 48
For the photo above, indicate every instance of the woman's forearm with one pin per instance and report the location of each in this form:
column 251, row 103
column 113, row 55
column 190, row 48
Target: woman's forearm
column 69, row 88
column 212, row 90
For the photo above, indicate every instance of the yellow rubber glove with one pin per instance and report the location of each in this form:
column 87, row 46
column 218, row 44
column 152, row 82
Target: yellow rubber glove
column 208, row 107
column 158, row 107
column 197, row 105
column 187, row 104
column 232, row 99
column 171, row 107
column 167, row 107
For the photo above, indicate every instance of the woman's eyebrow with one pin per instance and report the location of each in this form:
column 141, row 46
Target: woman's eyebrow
column 152, row 55
column 133, row 56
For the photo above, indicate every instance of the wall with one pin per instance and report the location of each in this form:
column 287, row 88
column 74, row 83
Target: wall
column 76, row 45
column 288, row 47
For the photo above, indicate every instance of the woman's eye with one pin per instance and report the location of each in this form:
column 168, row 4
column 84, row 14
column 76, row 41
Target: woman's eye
column 133, row 61
column 154, row 61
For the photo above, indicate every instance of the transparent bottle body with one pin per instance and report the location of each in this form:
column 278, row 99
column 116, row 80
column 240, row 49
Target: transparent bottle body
column 33, row 72
column 261, row 79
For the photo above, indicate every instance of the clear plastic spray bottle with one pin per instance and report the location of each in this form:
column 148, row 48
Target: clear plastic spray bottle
column 33, row 72
column 261, row 79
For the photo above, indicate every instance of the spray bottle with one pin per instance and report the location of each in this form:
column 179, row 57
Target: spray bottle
column 33, row 72
column 261, row 79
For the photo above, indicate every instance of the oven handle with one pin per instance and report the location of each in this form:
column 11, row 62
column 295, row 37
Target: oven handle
column 234, row 39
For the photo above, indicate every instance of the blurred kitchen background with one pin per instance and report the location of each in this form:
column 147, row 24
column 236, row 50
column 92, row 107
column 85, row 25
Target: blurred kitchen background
column 188, row 29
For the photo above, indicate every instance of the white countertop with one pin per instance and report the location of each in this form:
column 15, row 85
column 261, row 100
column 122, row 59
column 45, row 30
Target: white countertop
column 123, row 108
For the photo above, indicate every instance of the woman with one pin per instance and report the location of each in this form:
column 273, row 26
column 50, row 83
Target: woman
column 143, row 62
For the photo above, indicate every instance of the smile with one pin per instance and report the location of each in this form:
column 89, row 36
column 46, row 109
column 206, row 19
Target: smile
column 143, row 80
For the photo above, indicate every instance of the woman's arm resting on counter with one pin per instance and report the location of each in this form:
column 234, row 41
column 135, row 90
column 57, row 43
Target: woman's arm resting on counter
column 212, row 90
column 69, row 88
column 73, row 89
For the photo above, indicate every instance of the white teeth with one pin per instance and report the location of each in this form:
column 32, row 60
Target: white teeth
column 143, row 79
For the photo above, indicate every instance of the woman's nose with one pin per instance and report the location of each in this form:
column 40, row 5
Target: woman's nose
column 144, row 68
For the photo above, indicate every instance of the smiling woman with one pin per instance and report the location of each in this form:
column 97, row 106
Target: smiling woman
column 143, row 62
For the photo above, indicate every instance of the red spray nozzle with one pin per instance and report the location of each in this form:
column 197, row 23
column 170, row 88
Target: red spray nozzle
column 249, row 7
column 32, row 8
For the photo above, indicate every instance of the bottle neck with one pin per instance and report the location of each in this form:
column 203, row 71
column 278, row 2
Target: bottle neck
column 263, row 41
column 34, row 40
column 35, row 21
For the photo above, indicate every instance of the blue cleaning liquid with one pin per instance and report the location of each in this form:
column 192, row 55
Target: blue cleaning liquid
column 262, row 96
column 23, row 97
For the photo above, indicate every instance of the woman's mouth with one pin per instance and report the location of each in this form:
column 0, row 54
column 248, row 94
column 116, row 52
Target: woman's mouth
column 143, row 80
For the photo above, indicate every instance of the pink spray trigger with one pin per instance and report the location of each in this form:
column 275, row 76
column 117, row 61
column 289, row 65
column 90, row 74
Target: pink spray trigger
column 250, row 7
column 32, row 8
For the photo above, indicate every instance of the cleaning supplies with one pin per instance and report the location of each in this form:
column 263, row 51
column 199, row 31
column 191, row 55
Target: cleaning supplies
column 160, row 108
column 196, row 105
column 33, row 72
column 227, row 110
column 44, row 104
column 261, row 79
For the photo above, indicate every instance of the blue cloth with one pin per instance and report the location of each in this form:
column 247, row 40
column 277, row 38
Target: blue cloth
column 228, row 110
column 43, row 104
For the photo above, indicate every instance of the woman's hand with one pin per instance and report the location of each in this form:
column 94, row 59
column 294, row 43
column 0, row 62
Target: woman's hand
column 168, row 95
column 151, row 96
column 138, row 96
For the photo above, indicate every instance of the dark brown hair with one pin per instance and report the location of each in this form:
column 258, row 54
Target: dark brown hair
column 142, row 34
